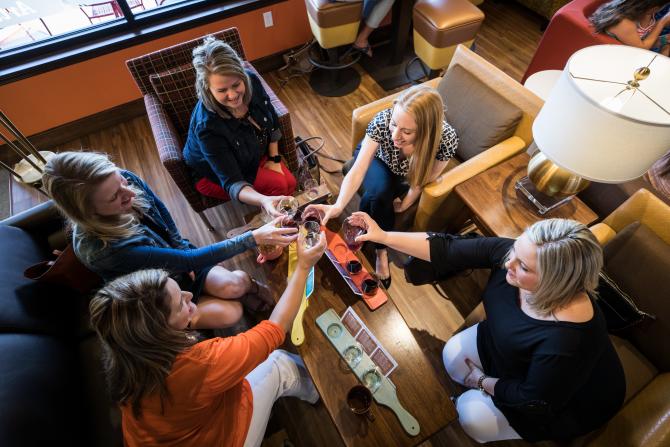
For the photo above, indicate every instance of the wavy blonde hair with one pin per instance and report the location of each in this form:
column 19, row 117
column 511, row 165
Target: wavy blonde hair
column 425, row 105
column 569, row 259
column 71, row 178
column 130, row 315
column 217, row 57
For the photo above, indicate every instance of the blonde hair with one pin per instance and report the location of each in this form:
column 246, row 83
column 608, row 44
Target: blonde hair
column 569, row 259
column 217, row 57
column 425, row 105
column 71, row 178
column 130, row 315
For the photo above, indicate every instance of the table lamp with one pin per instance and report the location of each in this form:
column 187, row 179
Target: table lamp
column 607, row 120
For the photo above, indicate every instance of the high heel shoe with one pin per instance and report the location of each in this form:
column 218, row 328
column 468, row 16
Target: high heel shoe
column 386, row 282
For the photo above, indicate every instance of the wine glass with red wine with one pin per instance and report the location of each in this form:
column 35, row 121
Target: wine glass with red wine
column 351, row 230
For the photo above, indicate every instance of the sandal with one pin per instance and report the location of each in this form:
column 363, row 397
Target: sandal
column 366, row 50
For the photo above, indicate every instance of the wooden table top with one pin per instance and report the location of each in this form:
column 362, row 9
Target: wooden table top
column 418, row 388
column 499, row 210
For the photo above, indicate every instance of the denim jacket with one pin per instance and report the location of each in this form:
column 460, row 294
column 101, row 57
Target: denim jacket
column 148, row 249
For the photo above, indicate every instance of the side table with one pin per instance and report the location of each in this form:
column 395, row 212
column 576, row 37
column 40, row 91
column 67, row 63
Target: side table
column 499, row 210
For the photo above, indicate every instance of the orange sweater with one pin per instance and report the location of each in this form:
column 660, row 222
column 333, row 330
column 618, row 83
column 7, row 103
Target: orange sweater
column 211, row 401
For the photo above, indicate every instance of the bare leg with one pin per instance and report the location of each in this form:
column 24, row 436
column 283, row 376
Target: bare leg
column 362, row 39
column 382, row 264
column 215, row 306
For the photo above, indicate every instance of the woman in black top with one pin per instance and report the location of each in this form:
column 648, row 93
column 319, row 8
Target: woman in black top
column 541, row 365
column 233, row 136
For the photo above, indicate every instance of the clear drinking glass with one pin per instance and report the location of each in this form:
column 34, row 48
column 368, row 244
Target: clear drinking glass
column 353, row 354
column 311, row 188
column 372, row 379
column 350, row 231
column 288, row 207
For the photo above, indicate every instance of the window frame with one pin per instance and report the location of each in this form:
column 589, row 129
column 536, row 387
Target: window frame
column 133, row 29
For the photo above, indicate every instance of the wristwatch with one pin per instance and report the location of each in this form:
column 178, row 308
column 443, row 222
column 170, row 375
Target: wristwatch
column 276, row 158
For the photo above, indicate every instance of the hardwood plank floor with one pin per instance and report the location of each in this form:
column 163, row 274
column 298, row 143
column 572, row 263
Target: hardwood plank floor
column 508, row 38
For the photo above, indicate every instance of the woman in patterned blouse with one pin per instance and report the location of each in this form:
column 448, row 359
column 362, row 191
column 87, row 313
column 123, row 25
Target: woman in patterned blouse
column 405, row 147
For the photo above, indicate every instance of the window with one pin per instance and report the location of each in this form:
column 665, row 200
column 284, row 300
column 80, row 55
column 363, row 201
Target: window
column 37, row 35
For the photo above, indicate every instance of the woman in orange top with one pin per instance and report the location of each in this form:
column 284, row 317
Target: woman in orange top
column 176, row 391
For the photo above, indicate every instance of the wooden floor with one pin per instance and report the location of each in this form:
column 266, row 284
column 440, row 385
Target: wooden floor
column 508, row 39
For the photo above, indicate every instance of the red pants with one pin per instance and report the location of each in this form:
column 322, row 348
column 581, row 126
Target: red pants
column 268, row 183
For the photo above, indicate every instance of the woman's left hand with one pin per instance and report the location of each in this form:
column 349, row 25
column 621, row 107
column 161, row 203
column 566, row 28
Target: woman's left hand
column 472, row 379
column 273, row 166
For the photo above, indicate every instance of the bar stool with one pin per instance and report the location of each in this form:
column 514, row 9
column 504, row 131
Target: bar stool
column 440, row 26
column 334, row 24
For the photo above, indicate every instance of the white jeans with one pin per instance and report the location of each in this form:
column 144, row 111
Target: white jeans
column 477, row 414
column 282, row 374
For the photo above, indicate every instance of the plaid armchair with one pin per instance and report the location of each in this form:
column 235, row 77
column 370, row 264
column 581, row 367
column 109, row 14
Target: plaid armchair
column 166, row 78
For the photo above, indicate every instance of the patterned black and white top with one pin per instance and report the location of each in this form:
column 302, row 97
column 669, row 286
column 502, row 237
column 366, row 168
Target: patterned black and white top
column 380, row 132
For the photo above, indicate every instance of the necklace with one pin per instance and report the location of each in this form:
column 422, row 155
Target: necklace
column 643, row 30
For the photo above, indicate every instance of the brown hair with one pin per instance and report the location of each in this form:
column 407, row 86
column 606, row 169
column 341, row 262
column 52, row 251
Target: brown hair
column 217, row 57
column 611, row 13
column 425, row 105
column 130, row 315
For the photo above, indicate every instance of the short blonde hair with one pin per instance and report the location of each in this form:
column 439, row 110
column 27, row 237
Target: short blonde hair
column 217, row 57
column 71, row 178
column 569, row 259
column 425, row 105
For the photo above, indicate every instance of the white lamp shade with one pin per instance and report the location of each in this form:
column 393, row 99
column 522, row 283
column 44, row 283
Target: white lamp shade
column 598, row 130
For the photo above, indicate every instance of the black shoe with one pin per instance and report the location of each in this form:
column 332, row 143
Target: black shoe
column 386, row 282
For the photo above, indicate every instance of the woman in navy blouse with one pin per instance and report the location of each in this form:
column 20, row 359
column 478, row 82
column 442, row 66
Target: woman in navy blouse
column 541, row 366
column 232, row 143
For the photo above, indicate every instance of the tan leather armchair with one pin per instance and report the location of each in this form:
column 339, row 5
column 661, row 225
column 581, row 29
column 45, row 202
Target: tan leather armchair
column 438, row 207
column 643, row 421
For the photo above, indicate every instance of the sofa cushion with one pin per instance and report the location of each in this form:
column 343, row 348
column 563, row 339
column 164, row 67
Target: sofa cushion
column 29, row 306
column 39, row 397
column 638, row 370
column 642, row 421
column 482, row 118
column 639, row 261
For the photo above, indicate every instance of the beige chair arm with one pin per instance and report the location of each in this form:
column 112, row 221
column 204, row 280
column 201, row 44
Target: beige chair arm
column 361, row 116
column 603, row 232
column 645, row 207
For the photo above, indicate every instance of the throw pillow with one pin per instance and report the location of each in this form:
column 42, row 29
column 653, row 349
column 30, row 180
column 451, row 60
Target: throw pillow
column 618, row 308
column 482, row 117
column 175, row 89
column 639, row 261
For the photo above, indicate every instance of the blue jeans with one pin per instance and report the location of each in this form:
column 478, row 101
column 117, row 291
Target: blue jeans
column 381, row 187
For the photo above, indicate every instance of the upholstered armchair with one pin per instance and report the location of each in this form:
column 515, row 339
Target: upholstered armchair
column 568, row 31
column 492, row 115
column 166, row 79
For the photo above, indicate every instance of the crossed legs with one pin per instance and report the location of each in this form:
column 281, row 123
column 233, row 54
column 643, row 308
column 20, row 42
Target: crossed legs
column 477, row 413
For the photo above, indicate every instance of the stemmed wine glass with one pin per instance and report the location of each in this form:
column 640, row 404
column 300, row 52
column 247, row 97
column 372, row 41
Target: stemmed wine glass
column 351, row 229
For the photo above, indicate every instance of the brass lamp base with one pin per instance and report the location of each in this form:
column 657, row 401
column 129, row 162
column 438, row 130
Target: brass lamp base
column 549, row 186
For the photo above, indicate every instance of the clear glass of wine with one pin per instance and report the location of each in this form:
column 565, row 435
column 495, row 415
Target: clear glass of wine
column 350, row 231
